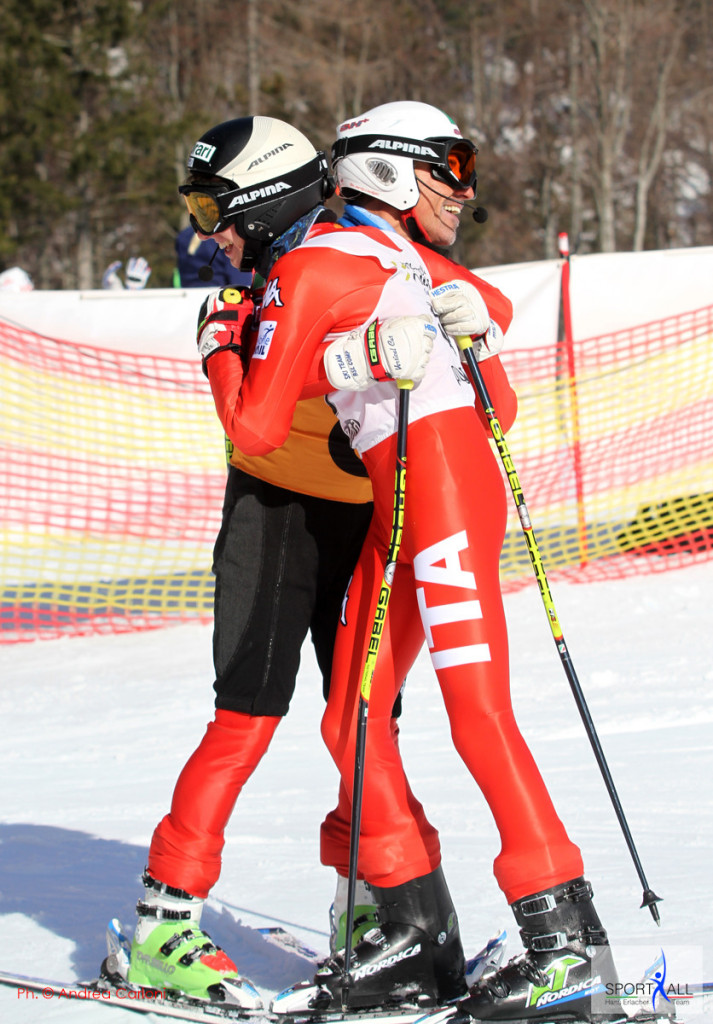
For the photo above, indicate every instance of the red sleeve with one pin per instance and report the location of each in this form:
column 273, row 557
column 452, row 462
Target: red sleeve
column 499, row 306
column 309, row 293
column 225, row 374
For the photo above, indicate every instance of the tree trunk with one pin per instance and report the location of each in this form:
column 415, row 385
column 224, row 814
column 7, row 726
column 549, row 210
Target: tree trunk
column 253, row 58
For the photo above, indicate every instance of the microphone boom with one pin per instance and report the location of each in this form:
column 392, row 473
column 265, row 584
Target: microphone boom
column 206, row 273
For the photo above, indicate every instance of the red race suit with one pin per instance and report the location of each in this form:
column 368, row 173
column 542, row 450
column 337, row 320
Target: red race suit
column 446, row 586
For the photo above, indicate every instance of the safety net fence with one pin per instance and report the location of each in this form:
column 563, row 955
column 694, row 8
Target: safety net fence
column 112, row 473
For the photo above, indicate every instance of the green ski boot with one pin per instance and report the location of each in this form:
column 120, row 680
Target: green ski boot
column 365, row 915
column 170, row 951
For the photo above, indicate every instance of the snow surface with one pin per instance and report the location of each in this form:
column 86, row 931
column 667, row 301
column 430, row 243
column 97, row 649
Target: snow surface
column 95, row 731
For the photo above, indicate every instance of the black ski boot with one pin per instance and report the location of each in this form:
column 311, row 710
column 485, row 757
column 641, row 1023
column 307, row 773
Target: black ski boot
column 566, row 973
column 414, row 956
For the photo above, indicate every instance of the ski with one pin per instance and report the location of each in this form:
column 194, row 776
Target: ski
column 154, row 1001
column 454, row 1014
column 278, row 936
column 302, row 1001
column 487, row 959
column 127, row 997
column 703, row 988
column 111, row 989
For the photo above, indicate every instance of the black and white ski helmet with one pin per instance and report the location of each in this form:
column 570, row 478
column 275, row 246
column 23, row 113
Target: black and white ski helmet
column 273, row 173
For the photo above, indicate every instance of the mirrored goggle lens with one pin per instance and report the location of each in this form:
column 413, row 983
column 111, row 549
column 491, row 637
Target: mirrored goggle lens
column 204, row 209
column 461, row 161
column 460, row 169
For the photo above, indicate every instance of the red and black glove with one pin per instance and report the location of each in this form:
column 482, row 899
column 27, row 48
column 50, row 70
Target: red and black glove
column 224, row 322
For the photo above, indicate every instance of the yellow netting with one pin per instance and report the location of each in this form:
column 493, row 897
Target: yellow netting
column 112, row 473
column 111, row 483
column 614, row 449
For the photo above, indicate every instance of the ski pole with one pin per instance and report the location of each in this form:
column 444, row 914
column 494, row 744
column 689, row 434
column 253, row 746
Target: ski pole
column 377, row 629
column 465, row 343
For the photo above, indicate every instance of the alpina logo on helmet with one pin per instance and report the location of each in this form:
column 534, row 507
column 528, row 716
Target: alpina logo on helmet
column 403, row 147
column 202, row 151
column 259, row 193
column 273, row 152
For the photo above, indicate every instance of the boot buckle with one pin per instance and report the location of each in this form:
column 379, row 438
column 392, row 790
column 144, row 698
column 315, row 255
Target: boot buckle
column 537, row 905
column 545, row 943
column 161, row 913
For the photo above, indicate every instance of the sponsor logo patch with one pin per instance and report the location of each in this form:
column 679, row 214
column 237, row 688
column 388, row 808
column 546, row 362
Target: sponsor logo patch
column 264, row 339
column 349, row 125
column 272, row 294
column 202, row 151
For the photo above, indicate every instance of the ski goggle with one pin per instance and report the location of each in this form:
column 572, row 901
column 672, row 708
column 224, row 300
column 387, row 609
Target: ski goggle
column 451, row 160
column 458, row 170
column 207, row 206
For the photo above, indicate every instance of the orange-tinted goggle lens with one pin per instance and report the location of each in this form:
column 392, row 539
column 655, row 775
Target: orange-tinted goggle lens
column 204, row 209
column 458, row 167
column 461, row 162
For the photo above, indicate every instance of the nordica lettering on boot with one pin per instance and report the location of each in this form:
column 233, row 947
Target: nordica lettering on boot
column 558, row 990
column 389, row 961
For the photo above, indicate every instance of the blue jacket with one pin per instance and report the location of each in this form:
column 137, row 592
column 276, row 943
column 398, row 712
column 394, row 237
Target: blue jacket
column 188, row 263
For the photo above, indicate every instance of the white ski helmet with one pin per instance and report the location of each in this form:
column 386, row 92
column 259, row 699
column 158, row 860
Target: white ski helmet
column 375, row 152
column 258, row 173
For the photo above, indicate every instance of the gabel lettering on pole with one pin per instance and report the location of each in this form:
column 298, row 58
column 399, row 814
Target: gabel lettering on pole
column 382, row 605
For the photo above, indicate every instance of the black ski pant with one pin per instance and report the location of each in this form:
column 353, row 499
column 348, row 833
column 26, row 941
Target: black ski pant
column 282, row 562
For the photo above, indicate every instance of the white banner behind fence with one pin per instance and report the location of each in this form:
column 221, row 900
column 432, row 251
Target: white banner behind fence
column 609, row 291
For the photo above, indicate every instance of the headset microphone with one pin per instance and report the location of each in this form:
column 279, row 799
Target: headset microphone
column 206, row 273
column 480, row 214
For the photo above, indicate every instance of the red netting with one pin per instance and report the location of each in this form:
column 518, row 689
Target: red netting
column 112, row 473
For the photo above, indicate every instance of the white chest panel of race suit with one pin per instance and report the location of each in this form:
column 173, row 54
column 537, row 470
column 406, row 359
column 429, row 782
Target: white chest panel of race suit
column 369, row 417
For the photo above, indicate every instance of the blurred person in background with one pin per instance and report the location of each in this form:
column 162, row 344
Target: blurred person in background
column 200, row 263
column 138, row 272
column 15, row 279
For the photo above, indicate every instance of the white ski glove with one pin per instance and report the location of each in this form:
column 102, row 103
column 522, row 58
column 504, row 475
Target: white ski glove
column 396, row 348
column 138, row 272
column 462, row 311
